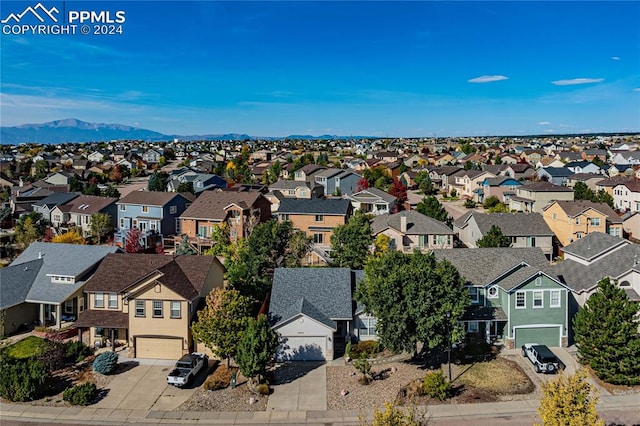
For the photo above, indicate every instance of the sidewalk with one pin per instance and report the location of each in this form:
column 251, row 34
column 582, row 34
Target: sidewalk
column 628, row 404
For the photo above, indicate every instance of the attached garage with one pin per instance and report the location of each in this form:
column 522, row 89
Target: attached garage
column 543, row 335
column 158, row 347
column 303, row 348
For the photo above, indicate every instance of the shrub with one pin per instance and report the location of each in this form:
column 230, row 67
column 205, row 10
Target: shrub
column 469, row 204
column 367, row 347
column 83, row 394
column 22, row 380
column 364, row 366
column 347, row 349
column 77, row 351
column 220, row 379
column 263, row 389
column 396, row 416
column 436, row 386
column 105, row 363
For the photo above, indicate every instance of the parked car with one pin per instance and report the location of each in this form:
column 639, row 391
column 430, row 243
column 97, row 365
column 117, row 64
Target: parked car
column 541, row 357
column 187, row 368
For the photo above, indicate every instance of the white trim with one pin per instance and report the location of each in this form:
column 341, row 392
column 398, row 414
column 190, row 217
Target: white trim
column 524, row 293
column 551, row 304
column 560, row 327
column 495, row 296
column 295, row 317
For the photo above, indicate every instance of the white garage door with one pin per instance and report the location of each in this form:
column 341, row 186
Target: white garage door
column 307, row 348
column 155, row 347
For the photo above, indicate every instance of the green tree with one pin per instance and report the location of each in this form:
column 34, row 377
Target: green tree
column 569, row 401
column 467, row 148
column 222, row 322
column 410, row 295
column 40, row 169
column 111, row 191
column 257, row 348
column 499, row 208
column 430, row 206
column 350, row 243
column 29, row 228
column 184, row 248
column 162, row 161
column 423, row 180
column 606, row 334
column 219, row 241
column 378, row 177
column 75, row 185
column 603, row 196
column 100, row 226
column 157, row 181
column 185, row 187
column 490, row 202
column 582, row 192
column 494, row 238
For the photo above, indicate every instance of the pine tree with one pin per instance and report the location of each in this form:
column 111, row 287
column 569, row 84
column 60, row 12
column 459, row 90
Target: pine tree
column 350, row 242
column 606, row 334
column 569, row 401
column 430, row 206
column 257, row 348
column 494, row 238
column 184, row 247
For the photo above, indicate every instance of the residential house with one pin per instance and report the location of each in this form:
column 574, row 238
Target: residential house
column 583, row 167
column 607, row 184
column 147, row 302
column 373, row 201
column 502, row 187
column 445, row 160
column 572, row 220
column 59, row 178
column 631, row 225
column 156, row 214
column 410, row 230
column 533, row 197
column 240, row 211
column 592, row 154
column 205, row 182
column 513, row 300
column 317, row 218
column 589, row 179
column 626, row 157
column 337, row 181
column 44, row 284
column 443, row 177
column 555, row 175
column 297, row 189
column 307, row 172
column 523, row 229
column 313, row 311
column 518, row 171
column 47, row 204
column 97, row 156
column 76, row 213
column 532, row 156
column 151, row 156
column 626, row 196
column 468, row 183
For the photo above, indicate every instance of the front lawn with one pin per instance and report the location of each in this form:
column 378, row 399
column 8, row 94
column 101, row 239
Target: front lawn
column 498, row 377
column 26, row 348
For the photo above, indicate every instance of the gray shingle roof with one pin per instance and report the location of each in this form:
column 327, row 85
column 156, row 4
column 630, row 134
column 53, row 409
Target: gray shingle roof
column 321, row 293
column 55, row 199
column 511, row 225
column 593, row 245
column 417, row 224
column 60, row 259
column 16, row 281
column 314, row 206
column 373, row 194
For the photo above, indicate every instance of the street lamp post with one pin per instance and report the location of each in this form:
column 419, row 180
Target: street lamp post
column 450, row 343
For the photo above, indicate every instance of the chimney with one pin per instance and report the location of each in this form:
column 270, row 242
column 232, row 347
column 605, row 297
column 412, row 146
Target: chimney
column 39, row 255
column 403, row 223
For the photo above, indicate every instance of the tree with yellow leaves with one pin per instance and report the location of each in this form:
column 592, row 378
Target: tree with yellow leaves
column 71, row 237
column 392, row 415
column 569, row 400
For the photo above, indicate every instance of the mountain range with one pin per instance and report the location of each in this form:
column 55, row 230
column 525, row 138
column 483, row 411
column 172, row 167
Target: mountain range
column 75, row 131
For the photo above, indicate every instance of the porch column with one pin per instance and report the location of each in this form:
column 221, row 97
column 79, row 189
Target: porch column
column 58, row 316
column 80, row 334
column 42, row 314
column 113, row 339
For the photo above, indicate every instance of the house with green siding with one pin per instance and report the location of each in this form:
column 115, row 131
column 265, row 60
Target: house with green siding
column 514, row 301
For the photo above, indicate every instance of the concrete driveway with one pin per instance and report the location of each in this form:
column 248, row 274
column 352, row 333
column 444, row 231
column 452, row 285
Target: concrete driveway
column 144, row 387
column 299, row 386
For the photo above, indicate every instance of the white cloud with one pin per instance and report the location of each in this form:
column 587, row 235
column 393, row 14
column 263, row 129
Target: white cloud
column 575, row 81
column 615, row 58
column 637, row 89
column 487, row 79
column 544, row 123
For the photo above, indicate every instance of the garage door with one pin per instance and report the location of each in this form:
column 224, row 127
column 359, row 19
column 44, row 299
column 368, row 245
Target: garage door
column 155, row 347
column 549, row 336
column 308, row 348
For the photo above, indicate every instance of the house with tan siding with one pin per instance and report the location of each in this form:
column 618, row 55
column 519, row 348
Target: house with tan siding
column 147, row 302
column 410, row 230
column 535, row 196
column 573, row 220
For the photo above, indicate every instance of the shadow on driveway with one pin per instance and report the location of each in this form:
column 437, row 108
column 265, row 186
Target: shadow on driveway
column 289, row 371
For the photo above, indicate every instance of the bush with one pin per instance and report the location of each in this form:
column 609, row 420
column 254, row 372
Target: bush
column 77, row 351
column 105, row 363
column 436, row 386
column 367, row 347
column 220, row 379
column 396, row 416
column 347, row 349
column 83, row 394
column 263, row 389
column 22, row 380
column 469, row 204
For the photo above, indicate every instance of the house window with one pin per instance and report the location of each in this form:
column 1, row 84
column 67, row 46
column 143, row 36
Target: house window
column 113, row 301
column 202, row 231
column 284, row 217
column 578, row 235
column 577, row 221
column 368, row 327
column 538, row 301
column 615, row 232
column 554, row 216
column 140, row 309
column 98, row 301
column 173, row 209
column 594, row 221
column 531, row 241
column 493, row 292
column 152, row 225
column 56, row 218
column 175, row 309
column 157, row 308
column 538, row 282
column 122, row 223
column 145, row 209
column 423, row 240
column 177, row 225
column 472, row 327
column 98, row 331
column 68, row 307
column 123, row 207
column 554, row 296
column 318, row 238
column 319, row 218
column 473, row 292
column 233, row 233
column 521, row 300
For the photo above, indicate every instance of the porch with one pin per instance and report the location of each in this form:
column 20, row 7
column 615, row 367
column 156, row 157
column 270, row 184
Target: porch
column 485, row 323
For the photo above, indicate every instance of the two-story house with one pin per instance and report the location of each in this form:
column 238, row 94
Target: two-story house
column 535, row 196
column 523, row 229
column 77, row 212
column 572, row 220
column 626, row 196
column 555, row 175
column 502, row 187
column 240, row 211
column 513, row 300
column 337, row 181
column 147, row 302
column 468, row 183
column 47, row 204
column 317, row 218
column 156, row 214
column 410, row 230
column 373, row 201
column 151, row 156
column 297, row 189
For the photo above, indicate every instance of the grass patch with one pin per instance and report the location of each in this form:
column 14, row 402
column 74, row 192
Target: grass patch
column 26, row 348
column 499, row 376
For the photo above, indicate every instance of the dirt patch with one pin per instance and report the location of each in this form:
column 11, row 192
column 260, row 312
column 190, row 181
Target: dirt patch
column 498, row 377
column 611, row 388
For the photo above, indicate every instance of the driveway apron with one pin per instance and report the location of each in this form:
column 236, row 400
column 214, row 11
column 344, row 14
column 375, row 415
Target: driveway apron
column 300, row 386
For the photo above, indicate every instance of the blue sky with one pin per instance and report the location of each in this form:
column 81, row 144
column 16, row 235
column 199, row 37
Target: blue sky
column 419, row 68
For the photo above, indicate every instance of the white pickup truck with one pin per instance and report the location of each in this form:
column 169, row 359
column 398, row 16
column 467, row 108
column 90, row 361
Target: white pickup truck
column 187, row 368
column 541, row 357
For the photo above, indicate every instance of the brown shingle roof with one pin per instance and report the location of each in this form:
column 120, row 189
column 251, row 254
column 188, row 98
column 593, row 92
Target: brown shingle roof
column 88, row 204
column 211, row 204
column 102, row 318
column 545, row 187
column 574, row 208
column 149, row 198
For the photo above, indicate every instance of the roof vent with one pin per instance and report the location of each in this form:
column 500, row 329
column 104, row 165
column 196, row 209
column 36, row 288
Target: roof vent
column 40, row 254
column 26, row 268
